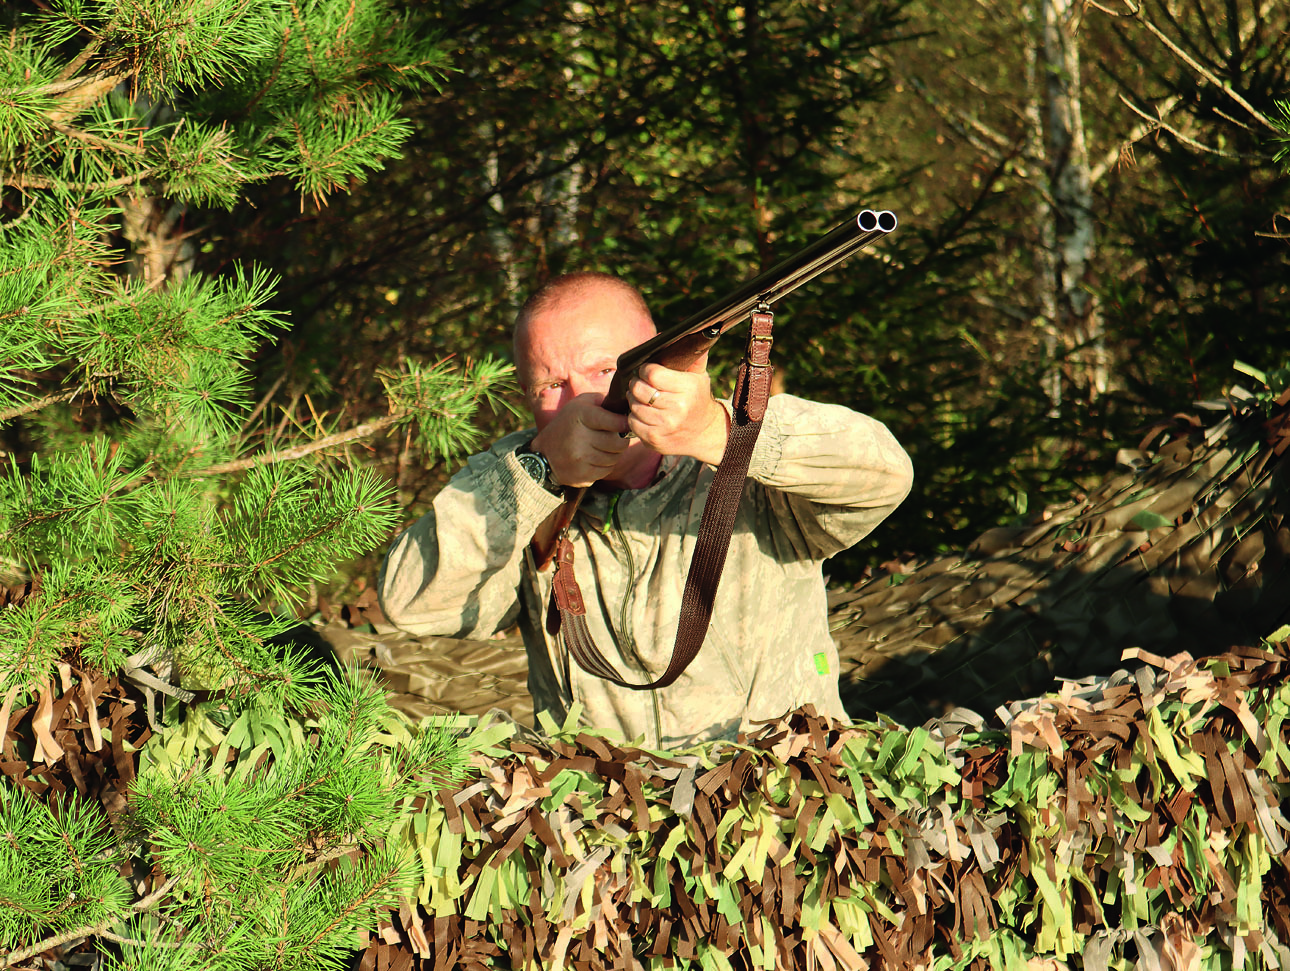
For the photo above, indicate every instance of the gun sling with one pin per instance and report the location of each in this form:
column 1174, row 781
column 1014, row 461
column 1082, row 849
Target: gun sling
column 752, row 391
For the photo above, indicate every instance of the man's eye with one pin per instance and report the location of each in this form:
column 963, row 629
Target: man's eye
column 608, row 370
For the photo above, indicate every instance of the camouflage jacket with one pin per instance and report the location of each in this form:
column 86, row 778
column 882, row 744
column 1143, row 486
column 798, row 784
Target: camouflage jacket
column 821, row 477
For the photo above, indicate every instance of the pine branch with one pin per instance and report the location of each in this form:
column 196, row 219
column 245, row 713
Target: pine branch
column 1140, row 131
column 132, row 942
column 383, row 882
column 19, row 181
column 88, row 930
column 17, row 411
column 1159, row 124
column 19, row 219
column 81, row 59
column 326, row 856
column 250, row 420
column 322, row 530
column 299, row 451
column 62, row 87
column 109, row 144
column 125, row 299
column 273, row 75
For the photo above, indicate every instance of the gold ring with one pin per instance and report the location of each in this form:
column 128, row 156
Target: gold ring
column 650, row 403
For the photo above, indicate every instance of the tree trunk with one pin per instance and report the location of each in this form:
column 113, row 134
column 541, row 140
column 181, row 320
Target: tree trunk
column 1069, row 232
column 1046, row 271
column 498, row 235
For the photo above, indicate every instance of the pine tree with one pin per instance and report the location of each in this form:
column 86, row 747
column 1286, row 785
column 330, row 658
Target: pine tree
column 156, row 537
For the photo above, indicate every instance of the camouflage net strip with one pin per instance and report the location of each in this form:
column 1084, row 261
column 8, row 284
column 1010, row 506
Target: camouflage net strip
column 1135, row 820
column 79, row 733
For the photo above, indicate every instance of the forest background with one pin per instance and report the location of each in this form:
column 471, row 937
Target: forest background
column 259, row 261
column 1094, row 215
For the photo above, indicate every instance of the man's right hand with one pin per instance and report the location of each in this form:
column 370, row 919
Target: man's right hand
column 583, row 442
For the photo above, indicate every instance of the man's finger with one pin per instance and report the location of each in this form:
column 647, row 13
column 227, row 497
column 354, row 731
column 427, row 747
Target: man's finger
column 658, row 376
column 600, row 420
column 640, row 391
column 610, row 441
column 668, row 381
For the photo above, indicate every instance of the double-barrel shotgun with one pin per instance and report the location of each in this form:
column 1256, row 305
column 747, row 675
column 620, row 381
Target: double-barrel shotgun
column 679, row 346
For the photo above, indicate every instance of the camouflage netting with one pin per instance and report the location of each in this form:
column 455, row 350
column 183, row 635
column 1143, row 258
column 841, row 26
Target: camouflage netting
column 1134, row 820
column 431, row 675
column 1185, row 551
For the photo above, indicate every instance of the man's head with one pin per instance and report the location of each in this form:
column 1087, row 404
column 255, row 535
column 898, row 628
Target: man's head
column 568, row 336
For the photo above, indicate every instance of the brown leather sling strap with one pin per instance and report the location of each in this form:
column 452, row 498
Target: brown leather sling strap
column 752, row 390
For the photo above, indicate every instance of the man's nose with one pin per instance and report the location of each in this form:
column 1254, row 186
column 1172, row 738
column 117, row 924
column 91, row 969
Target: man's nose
column 585, row 385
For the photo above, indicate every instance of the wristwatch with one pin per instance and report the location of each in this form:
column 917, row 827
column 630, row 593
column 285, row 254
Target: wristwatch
column 538, row 468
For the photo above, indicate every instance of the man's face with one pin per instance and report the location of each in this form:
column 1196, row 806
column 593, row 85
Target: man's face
column 572, row 348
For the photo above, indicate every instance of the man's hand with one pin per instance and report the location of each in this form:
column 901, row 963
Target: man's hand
column 583, row 442
column 674, row 413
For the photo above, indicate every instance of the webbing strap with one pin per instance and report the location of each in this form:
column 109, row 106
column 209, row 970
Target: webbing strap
column 752, row 390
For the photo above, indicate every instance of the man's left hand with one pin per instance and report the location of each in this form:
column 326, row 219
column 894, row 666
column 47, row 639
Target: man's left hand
column 674, row 413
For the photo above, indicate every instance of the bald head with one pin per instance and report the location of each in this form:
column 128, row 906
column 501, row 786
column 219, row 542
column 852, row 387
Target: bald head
column 567, row 292
column 569, row 334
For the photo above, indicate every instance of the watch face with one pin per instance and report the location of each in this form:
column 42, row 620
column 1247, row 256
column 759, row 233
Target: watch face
column 534, row 465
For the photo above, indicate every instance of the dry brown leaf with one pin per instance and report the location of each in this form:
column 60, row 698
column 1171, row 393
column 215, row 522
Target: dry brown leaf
column 5, row 711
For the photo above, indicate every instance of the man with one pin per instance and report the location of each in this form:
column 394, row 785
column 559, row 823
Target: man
column 821, row 477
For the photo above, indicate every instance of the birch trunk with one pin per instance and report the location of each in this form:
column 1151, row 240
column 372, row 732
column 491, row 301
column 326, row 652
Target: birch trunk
column 1046, row 272
column 1070, row 228
column 563, row 191
column 498, row 233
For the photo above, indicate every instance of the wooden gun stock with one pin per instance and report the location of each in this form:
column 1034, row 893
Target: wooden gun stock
column 679, row 346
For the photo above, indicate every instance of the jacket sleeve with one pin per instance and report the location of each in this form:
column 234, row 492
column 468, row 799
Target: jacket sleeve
column 455, row 572
column 833, row 473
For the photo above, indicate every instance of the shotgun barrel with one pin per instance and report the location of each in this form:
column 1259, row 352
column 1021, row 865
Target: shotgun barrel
column 781, row 279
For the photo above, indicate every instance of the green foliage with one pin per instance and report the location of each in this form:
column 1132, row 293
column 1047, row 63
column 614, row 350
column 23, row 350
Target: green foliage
column 443, row 406
column 170, row 45
column 154, row 512
column 59, row 868
column 94, row 526
column 283, row 531
column 1283, row 153
column 252, row 836
column 297, row 89
column 274, row 834
column 150, row 501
